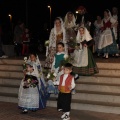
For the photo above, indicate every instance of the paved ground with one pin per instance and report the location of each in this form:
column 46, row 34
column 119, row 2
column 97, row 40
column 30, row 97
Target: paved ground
column 9, row 111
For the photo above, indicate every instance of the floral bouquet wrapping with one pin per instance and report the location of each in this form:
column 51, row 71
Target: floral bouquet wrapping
column 30, row 81
column 51, row 76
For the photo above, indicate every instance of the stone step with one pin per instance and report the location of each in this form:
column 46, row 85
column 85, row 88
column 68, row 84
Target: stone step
column 10, row 81
column 87, row 105
column 8, row 98
column 11, row 61
column 11, row 67
column 99, row 79
column 108, row 65
column 9, row 89
column 106, row 72
column 94, row 97
column 9, row 74
column 78, row 105
column 98, row 88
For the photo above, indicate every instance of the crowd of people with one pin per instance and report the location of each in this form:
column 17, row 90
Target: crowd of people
column 68, row 56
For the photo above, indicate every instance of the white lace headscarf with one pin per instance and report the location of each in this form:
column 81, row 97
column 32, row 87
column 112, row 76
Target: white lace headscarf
column 86, row 36
column 110, row 15
column 66, row 20
column 62, row 26
column 62, row 29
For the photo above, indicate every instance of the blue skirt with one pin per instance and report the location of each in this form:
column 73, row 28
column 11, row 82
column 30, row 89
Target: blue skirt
column 110, row 49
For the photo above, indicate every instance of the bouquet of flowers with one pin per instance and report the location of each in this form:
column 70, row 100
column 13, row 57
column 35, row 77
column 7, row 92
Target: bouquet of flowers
column 47, row 43
column 51, row 76
column 24, row 64
column 30, row 81
column 71, row 45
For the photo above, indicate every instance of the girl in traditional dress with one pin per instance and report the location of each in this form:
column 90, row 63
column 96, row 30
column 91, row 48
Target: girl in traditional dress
column 56, row 68
column 98, row 24
column 84, row 63
column 107, row 43
column 70, row 26
column 57, row 35
column 34, row 58
column 31, row 97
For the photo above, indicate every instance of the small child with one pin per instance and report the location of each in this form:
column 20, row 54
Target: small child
column 59, row 56
column 65, row 85
column 28, row 95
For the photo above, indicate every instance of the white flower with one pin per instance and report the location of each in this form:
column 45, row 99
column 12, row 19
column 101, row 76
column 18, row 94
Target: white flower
column 65, row 56
column 55, row 74
column 25, row 59
column 47, row 42
column 48, row 75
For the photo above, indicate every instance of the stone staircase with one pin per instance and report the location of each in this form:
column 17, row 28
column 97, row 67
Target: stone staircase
column 100, row 92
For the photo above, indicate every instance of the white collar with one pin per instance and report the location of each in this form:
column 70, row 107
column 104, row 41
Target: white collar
column 58, row 53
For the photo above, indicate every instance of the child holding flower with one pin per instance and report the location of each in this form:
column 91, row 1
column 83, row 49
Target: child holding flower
column 28, row 92
column 32, row 95
column 56, row 69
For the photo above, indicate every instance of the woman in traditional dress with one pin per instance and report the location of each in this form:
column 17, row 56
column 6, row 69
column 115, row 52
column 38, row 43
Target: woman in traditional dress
column 98, row 24
column 84, row 63
column 107, row 44
column 70, row 26
column 116, row 29
column 57, row 35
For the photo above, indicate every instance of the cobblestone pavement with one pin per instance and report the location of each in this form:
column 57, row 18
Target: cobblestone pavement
column 9, row 111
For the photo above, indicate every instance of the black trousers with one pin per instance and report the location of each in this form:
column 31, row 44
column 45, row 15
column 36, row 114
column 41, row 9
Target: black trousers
column 64, row 101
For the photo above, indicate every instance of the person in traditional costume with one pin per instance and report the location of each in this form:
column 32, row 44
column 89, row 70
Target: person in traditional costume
column 57, row 35
column 117, row 27
column 65, row 85
column 84, row 63
column 98, row 25
column 70, row 26
column 83, row 18
column 31, row 96
column 107, row 43
column 56, row 68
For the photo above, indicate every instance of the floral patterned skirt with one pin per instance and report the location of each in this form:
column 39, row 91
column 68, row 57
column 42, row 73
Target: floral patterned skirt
column 50, row 58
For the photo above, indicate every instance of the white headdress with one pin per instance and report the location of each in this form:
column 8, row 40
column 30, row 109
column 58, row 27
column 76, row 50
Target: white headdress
column 66, row 20
column 86, row 35
column 110, row 15
column 62, row 25
column 62, row 28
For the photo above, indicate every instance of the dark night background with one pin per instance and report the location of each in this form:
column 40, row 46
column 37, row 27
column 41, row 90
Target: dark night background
column 39, row 14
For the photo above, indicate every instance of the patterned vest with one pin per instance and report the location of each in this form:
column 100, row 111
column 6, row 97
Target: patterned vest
column 68, row 81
